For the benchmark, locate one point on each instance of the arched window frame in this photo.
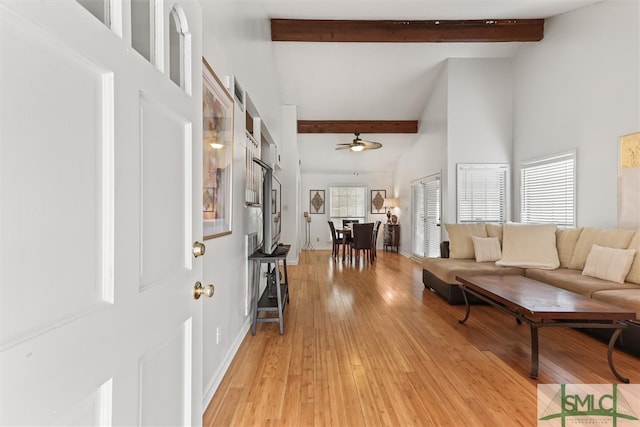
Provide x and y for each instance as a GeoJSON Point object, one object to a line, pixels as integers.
{"type": "Point", "coordinates": [177, 16]}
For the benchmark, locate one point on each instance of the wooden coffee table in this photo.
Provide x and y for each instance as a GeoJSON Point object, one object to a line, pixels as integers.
{"type": "Point", "coordinates": [540, 305]}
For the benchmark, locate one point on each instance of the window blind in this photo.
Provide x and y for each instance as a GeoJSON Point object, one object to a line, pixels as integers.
{"type": "Point", "coordinates": [347, 202]}
{"type": "Point", "coordinates": [548, 190]}
{"type": "Point", "coordinates": [482, 192]}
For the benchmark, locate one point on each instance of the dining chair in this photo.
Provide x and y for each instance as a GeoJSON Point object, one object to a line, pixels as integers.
{"type": "Point", "coordinates": [346, 223]}
{"type": "Point", "coordinates": [362, 240]}
{"type": "Point", "coordinates": [334, 240]}
{"type": "Point", "coordinates": [374, 242]}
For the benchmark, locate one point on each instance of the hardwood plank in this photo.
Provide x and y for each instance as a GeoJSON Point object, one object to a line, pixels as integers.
{"type": "Point", "coordinates": [291, 410]}
{"type": "Point", "coordinates": [387, 31]}
{"type": "Point", "coordinates": [368, 345]}
{"type": "Point", "coordinates": [361, 126]}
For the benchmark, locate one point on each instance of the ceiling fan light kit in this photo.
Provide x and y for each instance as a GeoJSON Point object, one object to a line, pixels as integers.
{"type": "Point", "coordinates": [359, 144]}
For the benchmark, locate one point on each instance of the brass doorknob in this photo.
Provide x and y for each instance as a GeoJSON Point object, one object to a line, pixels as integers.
{"type": "Point", "coordinates": [198, 249]}
{"type": "Point", "coordinates": [199, 290]}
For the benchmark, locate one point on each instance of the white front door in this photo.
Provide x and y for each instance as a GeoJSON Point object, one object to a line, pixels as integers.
{"type": "Point", "coordinates": [100, 186]}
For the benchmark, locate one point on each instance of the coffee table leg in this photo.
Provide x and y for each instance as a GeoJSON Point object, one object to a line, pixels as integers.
{"type": "Point", "coordinates": [612, 343]}
{"type": "Point", "coordinates": [534, 352]}
{"type": "Point", "coordinates": [466, 303]}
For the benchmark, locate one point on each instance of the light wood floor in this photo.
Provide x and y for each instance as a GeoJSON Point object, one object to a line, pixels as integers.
{"type": "Point", "coordinates": [368, 345]}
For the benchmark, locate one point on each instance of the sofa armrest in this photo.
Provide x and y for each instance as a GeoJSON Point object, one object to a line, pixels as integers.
{"type": "Point", "coordinates": [444, 249]}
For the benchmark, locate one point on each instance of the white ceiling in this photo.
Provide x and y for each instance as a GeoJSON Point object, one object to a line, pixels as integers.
{"type": "Point", "coordinates": [379, 81]}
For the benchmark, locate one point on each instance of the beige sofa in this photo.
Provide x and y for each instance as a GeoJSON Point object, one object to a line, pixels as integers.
{"type": "Point", "coordinates": [564, 255]}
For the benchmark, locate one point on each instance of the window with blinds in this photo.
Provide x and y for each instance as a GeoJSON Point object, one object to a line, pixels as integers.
{"type": "Point", "coordinates": [347, 202]}
{"type": "Point", "coordinates": [425, 195]}
{"type": "Point", "coordinates": [548, 190]}
{"type": "Point", "coordinates": [482, 194]}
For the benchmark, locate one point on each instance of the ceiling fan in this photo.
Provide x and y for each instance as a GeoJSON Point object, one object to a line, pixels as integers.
{"type": "Point", "coordinates": [359, 144]}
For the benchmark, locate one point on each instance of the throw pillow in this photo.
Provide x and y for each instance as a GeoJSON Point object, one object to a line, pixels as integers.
{"type": "Point", "coordinates": [460, 243]}
{"type": "Point", "coordinates": [529, 246]}
{"type": "Point", "coordinates": [608, 263]}
{"type": "Point", "coordinates": [486, 248]}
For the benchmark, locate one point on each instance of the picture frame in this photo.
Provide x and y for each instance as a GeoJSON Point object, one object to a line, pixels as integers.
{"type": "Point", "coordinates": [629, 181]}
{"type": "Point", "coordinates": [377, 201]}
{"type": "Point", "coordinates": [316, 201]}
{"type": "Point", "coordinates": [217, 159]}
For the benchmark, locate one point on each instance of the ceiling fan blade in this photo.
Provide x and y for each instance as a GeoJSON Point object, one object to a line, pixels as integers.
{"type": "Point", "coordinates": [345, 147]}
{"type": "Point", "coordinates": [370, 145]}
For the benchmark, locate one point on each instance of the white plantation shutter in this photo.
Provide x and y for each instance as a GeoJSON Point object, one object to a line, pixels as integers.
{"type": "Point", "coordinates": [425, 195]}
{"type": "Point", "coordinates": [419, 218]}
{"type": "Point", "coordinates": [548, 190]}
{"type": "Point", "coordinates": [482, 192]}
{"type": "Point", "coordinates": [432, 242]}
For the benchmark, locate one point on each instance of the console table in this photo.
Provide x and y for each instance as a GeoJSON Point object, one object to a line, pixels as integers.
{"type": "Point", "coordinates": [276, 294]}
{"type": "Point", "coordinates": [391, 236]}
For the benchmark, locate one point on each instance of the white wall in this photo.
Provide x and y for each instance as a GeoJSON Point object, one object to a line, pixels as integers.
{"type": "Point", "coordinates": [480, 117]}
{"type": "Point", "coordinates": [579, 88]}
{"type": "Point", "coordinates": [468, 119]}
{"type": "Point", "coordinates": [319, 229]}
{"type": "Point", "coordinates": [428, 154]}
{"type": "Point", "coordinates": [291, 182]}
{"type": "Point", "coordinates": [237, 42]}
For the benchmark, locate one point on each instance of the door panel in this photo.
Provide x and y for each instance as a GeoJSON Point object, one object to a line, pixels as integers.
{"type": "Point", "coordinates": [166, 175]}
{"type": "Point", "coordinates": [164, 390]}
{"type": "Point", "coordinates": [42, 123]}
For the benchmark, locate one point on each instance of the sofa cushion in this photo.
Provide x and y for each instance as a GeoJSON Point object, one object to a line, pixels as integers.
{"type": "Point", "coordinates": [446, 269]}
{"type": "Point", "coordinates": [624, 298]}
{"type": "Point", "coordinates": [494, 230]}
{"type": "Point", "coordinates": [634, 271]}
{"type": "Point", "coordinates": [486, 248]}
{"type": "Point", "coordinates": [460, 243]}
{"type": "Point", "coordinates": [529, 246]}
{"type": "Point", "coordinates": [574, 281]}
{"type": "Point", "coordinates": [566, 240]}
{"type": "Point", "coordinates": [611, 238]}
{"type": "Point", "coordinates": [608, 263]}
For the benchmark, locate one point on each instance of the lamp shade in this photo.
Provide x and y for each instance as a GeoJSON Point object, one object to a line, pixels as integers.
{"type": "Point", "coordinates": [390, 203]}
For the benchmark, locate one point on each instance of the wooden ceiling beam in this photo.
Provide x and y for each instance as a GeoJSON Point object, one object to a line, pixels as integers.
{"type": "Point", "coordinates": [353, 126]}
{"type": "Point", "coordinates": [437, 31]}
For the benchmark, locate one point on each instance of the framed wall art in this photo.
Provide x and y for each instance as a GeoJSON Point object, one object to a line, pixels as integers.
{"type": "Point", "coordinates": [217, 146]}
{"type": "Point", "coordinates": [316, 201]}
{"type": "Point", "coordinates": [629, 182]}
{"type": "Point", "coordinates": [377, 201]}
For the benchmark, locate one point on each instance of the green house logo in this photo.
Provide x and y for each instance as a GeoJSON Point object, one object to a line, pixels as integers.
{"type": "Point", "coordinates": [586, 406]}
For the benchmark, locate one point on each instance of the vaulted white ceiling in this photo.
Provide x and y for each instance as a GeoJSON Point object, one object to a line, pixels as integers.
{"type": "Point", "coordinates": [379, 81]}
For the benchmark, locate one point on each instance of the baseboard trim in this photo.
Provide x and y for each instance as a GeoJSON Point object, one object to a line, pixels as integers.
{"type": "Point", "coordinates": [213, 385]}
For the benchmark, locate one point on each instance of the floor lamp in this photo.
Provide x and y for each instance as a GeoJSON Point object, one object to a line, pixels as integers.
{"type": "Point", "coordinates": [307, 244]}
